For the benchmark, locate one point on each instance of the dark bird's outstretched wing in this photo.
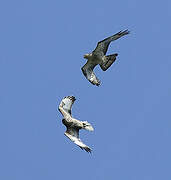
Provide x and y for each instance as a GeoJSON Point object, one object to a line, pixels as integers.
{"type": "Point", "coordinates": [73, 134]}
{"type": "Point", "coordinates": [87, 70]}
{"type": "Point", "coordinates": [68, 102]}
{"type": "Point", "coordinates": [103, 45]}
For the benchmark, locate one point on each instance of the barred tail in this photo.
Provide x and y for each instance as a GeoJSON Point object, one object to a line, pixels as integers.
{"type": "Point", "coordinates": [110, 59]}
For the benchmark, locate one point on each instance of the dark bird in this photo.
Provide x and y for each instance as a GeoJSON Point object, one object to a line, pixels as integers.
{"type": "Point", "coordinates": [98, 56]}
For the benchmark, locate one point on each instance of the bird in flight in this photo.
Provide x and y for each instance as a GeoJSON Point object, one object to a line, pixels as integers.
{"type": "Point", "coordinates": [98, 56]}
{"type": "Point", "coordinates": [73, 125]}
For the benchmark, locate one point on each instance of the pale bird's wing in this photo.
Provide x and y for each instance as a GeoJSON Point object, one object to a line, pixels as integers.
{"type": "Point", "coordinates": [67, 103]}
{"type": "Point", "coordinates": [87, 70]}
{"type": "Point", "coordinates": [73, 134]}
{"type": "Point", "coordinates": [103, 45]}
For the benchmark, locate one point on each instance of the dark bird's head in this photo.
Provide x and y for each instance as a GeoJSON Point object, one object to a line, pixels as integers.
{"type": "Point", "coordinates": [87, 56]}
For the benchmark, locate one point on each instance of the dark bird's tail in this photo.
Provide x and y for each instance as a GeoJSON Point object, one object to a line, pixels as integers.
{"type": "Point", "coordinates": [109, 60]}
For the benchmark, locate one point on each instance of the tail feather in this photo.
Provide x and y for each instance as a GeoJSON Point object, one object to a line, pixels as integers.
{"type": "Point", "coordinates": [111, 57]}
{"type": "Point", "coordinates": [87, 126]}
{"type": "Point", "coordinates": [109, 60]}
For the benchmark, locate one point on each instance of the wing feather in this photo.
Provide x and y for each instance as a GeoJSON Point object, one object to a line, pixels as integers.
{"type": "Point", "coordinates": [73, 132]}
{"type": "Point", "coordinates": [73, 135]}
{"type": "Point", "coordinates": [68, 102]}
{"type": "Point", "coordinates": [87, 70]}
{"type": "Point", "coordinates": [73, 125]}
{"type": "Point", "coordinates": [102, 46]}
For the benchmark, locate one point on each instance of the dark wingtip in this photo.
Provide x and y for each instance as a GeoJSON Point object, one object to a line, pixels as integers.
{"type": "Point", "coordinates": [72, 98]}
{"type": "Point", "coordinates": [87, 149]}
{"type": "Point", "coordinates": [95, 83]}
{"type": "Point", "coordinates": [126, 31]}
{"type": "Point", "coordinates": [98, 84]}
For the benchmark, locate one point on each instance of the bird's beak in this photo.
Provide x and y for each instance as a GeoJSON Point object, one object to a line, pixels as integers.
{"type": "Point", "coordinates": [86, 56]}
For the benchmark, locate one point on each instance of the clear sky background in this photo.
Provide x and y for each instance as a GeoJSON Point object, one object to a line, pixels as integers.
{"type": "Point", "coordinates": [42, 44]}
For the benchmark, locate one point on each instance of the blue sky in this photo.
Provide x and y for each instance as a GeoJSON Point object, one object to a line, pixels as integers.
{"type": "Point", "coordinates": [42, 44]}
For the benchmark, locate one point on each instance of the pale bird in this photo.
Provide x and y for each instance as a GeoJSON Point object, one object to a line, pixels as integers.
{"type": "Point", "coordinates": [73, 125]}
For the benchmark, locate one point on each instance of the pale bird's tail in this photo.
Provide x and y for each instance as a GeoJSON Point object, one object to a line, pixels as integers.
{"type": "Point", "coordinates": [87, 126]}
